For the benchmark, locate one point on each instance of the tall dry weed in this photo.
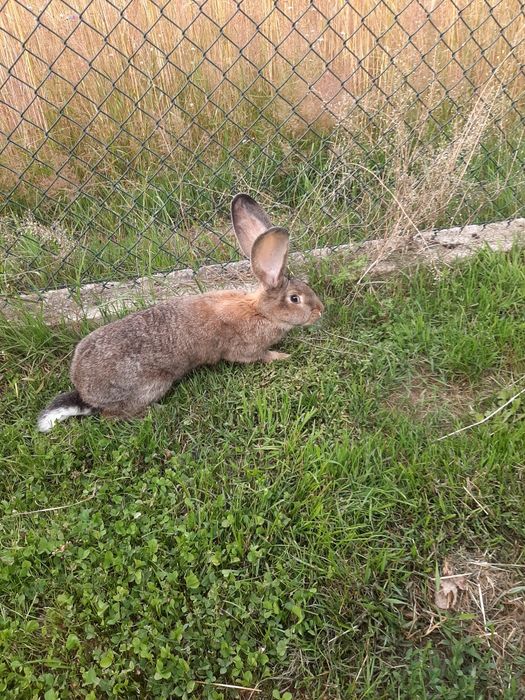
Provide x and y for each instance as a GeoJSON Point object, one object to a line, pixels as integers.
{"type": "Point", "coordinates": [424, 174]}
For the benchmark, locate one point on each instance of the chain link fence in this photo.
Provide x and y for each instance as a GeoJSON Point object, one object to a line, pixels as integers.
{"type": "Point", "coordinates": [128, 126]}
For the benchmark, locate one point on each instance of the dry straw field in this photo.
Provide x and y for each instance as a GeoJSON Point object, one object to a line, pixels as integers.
{"type": "Point", "coordinates": [154, 79]}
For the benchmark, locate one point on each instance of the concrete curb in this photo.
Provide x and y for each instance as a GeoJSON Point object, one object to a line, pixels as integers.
{"type": "Point", "coordinates": [99, 300]}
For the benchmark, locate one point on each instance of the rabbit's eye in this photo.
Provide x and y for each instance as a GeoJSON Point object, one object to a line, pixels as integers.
{"type": "Point", "coordinates": [294, 298]}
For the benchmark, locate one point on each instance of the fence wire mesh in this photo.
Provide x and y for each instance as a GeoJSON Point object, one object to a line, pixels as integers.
{"type": "Point", "coordinates": [128, 126]}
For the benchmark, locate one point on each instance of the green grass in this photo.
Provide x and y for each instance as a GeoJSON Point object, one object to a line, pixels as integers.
{"type": "Point", "coordinates": [328, 189]}
{"type": "Point", "coordinates": [276, 526]}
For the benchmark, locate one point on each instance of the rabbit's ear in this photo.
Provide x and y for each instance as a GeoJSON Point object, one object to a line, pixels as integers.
{"type": "Point", "coordinates": [249, 221]}
{"type": "Point", "coordinates": [269, 256]}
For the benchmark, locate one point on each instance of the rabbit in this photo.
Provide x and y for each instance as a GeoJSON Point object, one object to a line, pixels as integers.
{"type": "Point", "coordinates": [121, 368]}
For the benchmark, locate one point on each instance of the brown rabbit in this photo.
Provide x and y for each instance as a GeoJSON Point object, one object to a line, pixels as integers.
{"type": "Point", "coordinates": [121, 368]}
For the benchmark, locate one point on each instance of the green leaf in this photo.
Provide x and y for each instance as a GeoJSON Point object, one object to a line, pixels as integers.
{"type": "Point", "coordinates": [72, 642]}
{"type": "Point", "coordinates": [106, 659]}
{"type": "Point", "coordinates": [192, 581]}
{"type": "Point", "coordinates": [160, 673]}
{"type": "Point", "coordinates": [153, 545]}
{"type": "Point", "coordinates": [296, 610]}
{"type": "Point", "coordinates": [282, 644]}
{"type": "Point", "coordinates": [90, 677]}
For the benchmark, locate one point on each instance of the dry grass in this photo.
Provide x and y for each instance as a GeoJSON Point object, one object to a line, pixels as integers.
{"type": "Point", "coordinates": [492, 594]}
{"type": "Point", "coordinates": [78, 77]}
{"type": "Point", "coordinates": [428, 176]}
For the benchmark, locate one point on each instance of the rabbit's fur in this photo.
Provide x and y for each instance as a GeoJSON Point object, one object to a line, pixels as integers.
{"type": "Point", "coordinates": [122, 367]}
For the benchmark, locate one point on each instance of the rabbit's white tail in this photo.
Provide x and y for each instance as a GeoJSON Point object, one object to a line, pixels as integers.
{"type": "Point", "coordinates": [63, 406]}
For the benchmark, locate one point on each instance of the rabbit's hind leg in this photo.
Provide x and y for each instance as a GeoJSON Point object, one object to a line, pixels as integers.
{"type": "Point", "coordinates": [136, 404]}
{"type": "Point", "coordinates": [123, 411]}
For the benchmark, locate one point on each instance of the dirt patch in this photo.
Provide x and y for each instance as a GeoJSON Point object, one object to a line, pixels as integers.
{"type": "Point", "coordinates": [426, 393]}
{"type": "Point", "coordinates": [491, 593]}
{"type": "Point", "coordinates": [486, 596]}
